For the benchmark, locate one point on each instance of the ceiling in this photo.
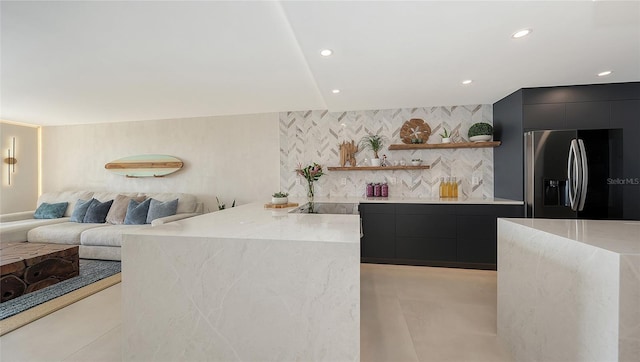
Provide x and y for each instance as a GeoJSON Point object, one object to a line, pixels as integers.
{"type": "Point", "coordinates": [92, 62]}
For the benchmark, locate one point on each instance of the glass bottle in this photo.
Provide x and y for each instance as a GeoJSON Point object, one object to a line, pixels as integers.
{"type": "Point", "coordinates": [454, 187]}
{"type": "Point", "coordinates": [441, 187]}
{"type": "Point", "coordinates": [376, 190]}
{"type": "Point", "coordinates": [384, 190]}
{"type": "Point", "coordinates": [446, 188]}
{"type": "Point", "coordinates": [369, 190]}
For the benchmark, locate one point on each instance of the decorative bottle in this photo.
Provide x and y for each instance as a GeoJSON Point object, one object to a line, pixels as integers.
{"type": "Point", "coordinates": [384, 190]}
{"type": "Point", "coordinates": [454, 187]}
{"type": "Point", "coordinates": [446, 188]}
{"type": "Point", "coordinates": [369, 190]}
{"type": "Point", "coordinates": [376, 190]}
{"type": "Point", "coordinates": [441, 187]}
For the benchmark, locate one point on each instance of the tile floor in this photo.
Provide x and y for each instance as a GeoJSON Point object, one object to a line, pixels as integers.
{"type": "Point", "coordinates": [407, 314]}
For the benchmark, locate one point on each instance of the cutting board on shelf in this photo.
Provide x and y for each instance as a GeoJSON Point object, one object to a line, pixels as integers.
{"type": "Point", "coordinates": [145, 166]}
{"type": "Point", "coordinates": [280, 206]}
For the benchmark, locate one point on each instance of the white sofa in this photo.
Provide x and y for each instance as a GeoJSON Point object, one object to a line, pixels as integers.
{"type": "Point", "coordinates": [96, 241]}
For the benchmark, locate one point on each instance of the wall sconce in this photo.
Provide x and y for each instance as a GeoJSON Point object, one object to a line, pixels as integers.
{"type": "Point", "coordinates": [11, 160]}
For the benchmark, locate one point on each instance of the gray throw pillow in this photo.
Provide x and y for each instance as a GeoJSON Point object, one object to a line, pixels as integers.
{"type": "Point", "coordinates": [137, 212]}
{"type": "Point", "coordinates": [158, 209]}
{"type": "Point", "coordinates": [119, 208]}
{"type": "Point", "coordinates": [97, 212]}
{"type": "Point", "coordinates": [80, 210]}
{"type": "Point", "coordinates": [50, 211]}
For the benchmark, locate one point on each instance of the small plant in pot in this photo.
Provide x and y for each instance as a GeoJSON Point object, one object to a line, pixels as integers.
{"type": "Point", "coordinates": [375, 143]}
{"type": "Point", "coordinates": [280, 198]}
{"type": "Point", "coordinates": [480, 132]}
{"type": "Point", "coordinates": [446, 136]}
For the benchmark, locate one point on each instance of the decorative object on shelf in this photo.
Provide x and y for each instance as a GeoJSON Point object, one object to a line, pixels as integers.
{"type": "Point", "coordinates": [348, 152]}
{"type": "Point", "coordinates": [280, 206]}
{"type": "Point", "coordinates": [375, 143]}
{"type": "Point", "coordinates": [415, 131]}
{"type": "Point", "coordinates": [145, 166]}
{"type": "Point", "coordinates": [280, 198]}
{"type": "Point", "coordinates": [446, 136]}
{"type": "Point", "coordinates": [222, 206]}
{"type": "Point", "coordinates": [480, 132]}
{"type": "Point", "coordinates": [425, 146]}
{"type": "Point", "coordinates": [416, 162]}
{"type": "Point", "coordinates": [11, 159]}
{"type": "Point", "coordinates": [311, 173]}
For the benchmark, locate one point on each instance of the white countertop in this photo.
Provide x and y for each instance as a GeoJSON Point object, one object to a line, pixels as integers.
{"type": "Point", "coordinates": [254, 221]}
{"type": "Point", "coordinates": [416, 200]}
{"type": "Point", "coordinates": [618, 236]}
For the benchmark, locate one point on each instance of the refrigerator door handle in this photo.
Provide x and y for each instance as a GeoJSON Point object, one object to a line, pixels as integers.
{"type": "Point", "coordinates": [573, 175]}
{"type": "Point", "coordinates": [584, 168]}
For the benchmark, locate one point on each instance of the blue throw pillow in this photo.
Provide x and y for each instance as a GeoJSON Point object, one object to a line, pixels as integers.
{"type": "Point", "coordinates": [50, 211]}
{"type": "Point", "coordinates": [97, 212]}
{"type": "Point", "coordinates": [137, 212]}
{"type": "Point", "coordinates": [80, 210]}
{"type": "Point", "coordinates": [158, 209]}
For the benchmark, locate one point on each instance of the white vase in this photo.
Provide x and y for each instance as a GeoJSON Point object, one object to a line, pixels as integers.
{"type": "Point", "coordinates": [375, 162]}
{"type": "Point", "coordinates": [446, 140]}
{"type": "Point", "coordinates": [279, 200]}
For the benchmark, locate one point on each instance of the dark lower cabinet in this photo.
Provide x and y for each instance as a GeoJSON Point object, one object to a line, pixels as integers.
{"type": "Point", "coordinates": [437, 235]}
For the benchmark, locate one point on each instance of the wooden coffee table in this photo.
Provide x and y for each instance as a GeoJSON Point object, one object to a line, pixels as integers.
{"type": "Point", "coordinates": [27, 267]}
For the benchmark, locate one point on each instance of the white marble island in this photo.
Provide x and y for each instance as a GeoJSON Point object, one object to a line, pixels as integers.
{"type": "Point", "coordinates": [569, 290]}
{"type": "Point", "coordinates": [245, 284]}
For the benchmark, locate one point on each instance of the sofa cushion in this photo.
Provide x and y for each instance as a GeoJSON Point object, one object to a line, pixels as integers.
{"type": "Point", "coordinates": [69, 196]}
{"type": "Point", "coordinates": [137, 212]}
{"type": "Point", "coordinates": [50, 211]}
{"type": "Point", "coordinates": [109, 236]}
{"type": "Point", "coordinates": [158, 209]}
{"type": "Point", "coordinates": [186, 202]}
{"type": "Point", "coordinates": [97, 211]}
{"type": "Point", "coordinates": [62, 233]}
{"type": "Point", "coordinates": [103, 196]}
{"type": "Point", "coordinates": [119, 208]}
{"type": "Point", "coordinates": [80, 210]}
{"type": "Point", "coordinates": [14, 231]}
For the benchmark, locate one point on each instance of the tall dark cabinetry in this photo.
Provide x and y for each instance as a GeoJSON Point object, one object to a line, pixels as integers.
{"type": "Point", "coordinates": [585, 107]}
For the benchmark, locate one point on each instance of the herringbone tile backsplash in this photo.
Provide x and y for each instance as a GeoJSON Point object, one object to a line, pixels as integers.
{"type": "Point", "coordinates": [314, 136]}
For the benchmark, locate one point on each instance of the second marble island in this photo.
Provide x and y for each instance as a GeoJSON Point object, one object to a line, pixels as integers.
{"type": "Point", "coordinates": [244, 284]}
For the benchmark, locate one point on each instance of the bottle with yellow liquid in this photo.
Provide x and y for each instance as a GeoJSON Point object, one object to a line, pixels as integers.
{"type": "Point", "coordinates": [454, 188]}
{"type": "Point", "coordinates": [441, 187]}
{"type": "Point", "coordinates": [445, 188]}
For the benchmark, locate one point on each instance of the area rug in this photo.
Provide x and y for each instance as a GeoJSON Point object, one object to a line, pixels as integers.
{"type": "Point", "coordinates": [95, 275]}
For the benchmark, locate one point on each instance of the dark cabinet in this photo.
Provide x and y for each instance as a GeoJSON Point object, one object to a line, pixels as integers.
{"type": "Point", "coordinates": [543, 116]}
{"type": "Point", "coordinates": [436, 235]}
{"type": "Point", "coordinates": [626, 115]}
{"type": "Point", "coordinates": [378, 229]}
{"type": "Point", "coordinates": [588, 115]}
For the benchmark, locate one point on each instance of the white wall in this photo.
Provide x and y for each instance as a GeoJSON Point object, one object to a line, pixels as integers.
{"type": "Point", "coordinates": [22, 194]}
{"type": "Point", "coordinates": [231, 157]}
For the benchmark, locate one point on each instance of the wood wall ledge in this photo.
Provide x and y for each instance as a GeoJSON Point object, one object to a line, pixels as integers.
{"type": "Point", "coordinates": [378, 168]}
{"type": "Point", "coordinates": [424, 146]}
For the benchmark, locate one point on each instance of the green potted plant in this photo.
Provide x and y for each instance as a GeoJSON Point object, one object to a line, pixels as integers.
{"type": "Point", "coordinates": [280, 198]}
{"type": "Point", "coordinates": [446, 136]}
{"type": "Point", "coordinates": [375, 143]}
{"type": "Point", "coordinates": [480, 132]}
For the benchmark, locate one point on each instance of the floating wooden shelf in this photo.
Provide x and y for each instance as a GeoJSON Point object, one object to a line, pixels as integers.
{"type": "Point", "coordinates": [424, 146]}
{"type": "Point", "coordinates": [378, 168]}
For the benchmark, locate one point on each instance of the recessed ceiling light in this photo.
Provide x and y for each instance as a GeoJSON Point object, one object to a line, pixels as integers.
{"type": "Point", "coordinates": [468, 81]}
{"type": "Point", "coordinates": [605, 73]}
{"type": "Point", "coordinates": [326, 52]}
{"type": "Point", "coordinates": [521, 33]}
{"type": "Point", "coordinates": [335, 91]}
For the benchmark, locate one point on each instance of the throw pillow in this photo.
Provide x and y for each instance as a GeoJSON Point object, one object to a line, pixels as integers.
{"type": "Point", "coordinates": [97, 212]}
{"type": "Point", "coordinates": [158, 209]}
{"type": "Point", "coordinates": [80, 210]}
{"type": "Point", "coordinates": [50, 211]}
{"type": "Point", "coordinates": [119, 208]}
{"type": "Point", "coordinates": [137, 212]}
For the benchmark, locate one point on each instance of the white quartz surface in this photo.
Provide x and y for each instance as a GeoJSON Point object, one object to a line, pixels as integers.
{"type": "Point", "coordinates": [254, 221]}
{"type": "Point", "coordinates": [622, 237]}
{"type": "Point", "coordinates": [421, 200]}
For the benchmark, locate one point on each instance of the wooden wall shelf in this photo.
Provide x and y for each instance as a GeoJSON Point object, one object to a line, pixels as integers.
{"type": "Point", "coordinates": [425, 146]}
{"type": "Point", "coordinates": [378, 168]}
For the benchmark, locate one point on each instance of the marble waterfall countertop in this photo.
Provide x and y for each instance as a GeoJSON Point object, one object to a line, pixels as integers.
{"type": "Point", "coordinates": [569, 290]}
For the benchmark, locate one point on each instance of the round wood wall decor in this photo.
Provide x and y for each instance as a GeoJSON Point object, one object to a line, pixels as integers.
{"type": "Point", "coordinates": [415, 128]}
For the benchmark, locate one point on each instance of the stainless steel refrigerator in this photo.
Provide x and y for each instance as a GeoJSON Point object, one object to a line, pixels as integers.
{"type": "Point", "coordinates": [571, 174]}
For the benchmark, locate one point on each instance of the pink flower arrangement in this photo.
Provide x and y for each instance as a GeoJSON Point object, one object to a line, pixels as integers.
{"type": "Point", "coordinates": [310, 173]}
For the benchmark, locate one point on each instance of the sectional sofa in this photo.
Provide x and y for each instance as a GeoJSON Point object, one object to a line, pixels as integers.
{"type": "Point", "coordinates": [96, 240]}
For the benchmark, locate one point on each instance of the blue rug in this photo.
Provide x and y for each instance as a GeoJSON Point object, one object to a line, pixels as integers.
{"type": "Point", "coordinates": [90, 272]}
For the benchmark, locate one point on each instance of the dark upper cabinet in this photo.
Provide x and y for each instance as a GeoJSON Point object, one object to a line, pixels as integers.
{"type": "Point", "coordinates": [588, 115]}
{"type": "Point", "coordinates": [543, 116]}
